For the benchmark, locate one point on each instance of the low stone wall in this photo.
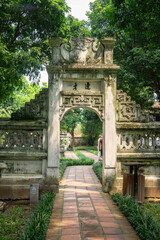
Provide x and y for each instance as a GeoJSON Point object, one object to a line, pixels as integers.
{"type": "Point", "coordinates": [23, 148]}
{"type": "Point", "coordinates": [139, 143]}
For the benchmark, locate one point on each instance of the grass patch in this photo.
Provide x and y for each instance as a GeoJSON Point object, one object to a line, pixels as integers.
{"type": "Point", "coordinates": [37, 224]}
{"type": "Point", "coordinates": [86, 148]}
{"type": "Point", "coordinates": [11, 222]}
{"type": "Point", "coordinates": [93, 151]}
{"type": "Point", "coordinates": [144, 224]}
{"type": "Point", "coordinates": [97, 168]}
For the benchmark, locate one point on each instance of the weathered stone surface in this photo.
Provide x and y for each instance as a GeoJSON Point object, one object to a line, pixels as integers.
{"type": "Point", "coordinates": [35, 109]}
{"type": "Point", "coordinates": [2, 206]}
{"type": "Point", "coordinates": [34, 193]}
{"type": "Point", "coordinates": [129, 111]}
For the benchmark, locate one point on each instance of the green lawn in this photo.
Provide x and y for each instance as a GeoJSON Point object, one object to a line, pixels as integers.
{"type": "Point", "coordinates": [12, 222]}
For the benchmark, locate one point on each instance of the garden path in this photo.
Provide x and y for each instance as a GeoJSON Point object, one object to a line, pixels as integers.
{"type": "Point", "coordinates": [83, 212]}
{"type": "Point", "coordinates": [70, 154]}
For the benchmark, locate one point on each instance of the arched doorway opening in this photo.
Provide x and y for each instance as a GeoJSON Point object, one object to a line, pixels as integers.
{"type": "Point", "coordinates": [80, 127]}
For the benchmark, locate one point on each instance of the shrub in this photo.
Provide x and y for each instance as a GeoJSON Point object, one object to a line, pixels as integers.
{"type": "Point", "coordinates": [37, 224]}
{"type": "Point", "coordinates": [153, 209]}
{"type": "Point", "coordinates": [97, 168]}
{"type": "Point", "coordinates": [145, 226]}
{"type": "Point", "coordinates": [85, 148]}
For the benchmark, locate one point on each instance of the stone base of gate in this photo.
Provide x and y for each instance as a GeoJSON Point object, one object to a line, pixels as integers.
{"type": "Point", "coordinates": [113, 181]}
{"type": "Point", "coordinates": [21, 189]}
{"type": "Point", "coordinates": [109, 177]}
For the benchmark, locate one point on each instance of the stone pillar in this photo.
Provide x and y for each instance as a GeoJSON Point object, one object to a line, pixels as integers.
{"type": "Point", "coordinates": [109, 134]}
{"type": "Point", "coordinates": [53, 131]}
{"type": "Point", "coordinates": [52, 178]}
{"type": "Point", "coordinates": [108, 51]}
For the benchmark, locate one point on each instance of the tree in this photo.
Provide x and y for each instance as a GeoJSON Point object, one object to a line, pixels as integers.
{"type": "Point", "coordinates": [19, 98]}
{"type": "Point", "coordinates": [26, 26]}
{"type": "Point", "coordinates": [135, 24]}
{"type": "Point", "coordinates": [91, 126]}
{"type": "Point", "coordinates": [70, 121]}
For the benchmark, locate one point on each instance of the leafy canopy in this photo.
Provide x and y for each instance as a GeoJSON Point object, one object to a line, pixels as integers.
{"type": "Point", "coordinates": [26, 26]}
{"type": "Point", "coordinates": [135, 24]}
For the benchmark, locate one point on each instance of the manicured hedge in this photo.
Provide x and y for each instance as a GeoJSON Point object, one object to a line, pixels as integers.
{"type": "Point", "coordinates": [37, 225]}
{"type": "Point", "coordinates": [85, 148]}
{"type": "Point", "coordinates": [145, 226]}
{"type": "Point", "coordinates": [97, 168]}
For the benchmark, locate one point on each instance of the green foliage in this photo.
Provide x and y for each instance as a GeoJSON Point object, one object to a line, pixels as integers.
{"type": "Point", "coordinates": [38, 223]}
{"type": "Point", "coordinates": [76, 28]}
{"type": "Point", "coordinates": [26, 26]}
{"type": "Point", "coordinates": [19, 98]}
{"type": "Point", "coordinates": [87, 148]}
{"type": "Point", "coordinates": [97, 168]}
{"type": "Point", "coordinates": [145, 226]}
{"type": "Point", "coordinates": [62, 167]}
{"type": "Point", "coordinates": [11, 223]}
{"type": "Point", "coordinates": [69, 122]}
{"type": "Point", "coordinates": [91, 126]}
{"type": "Point", "coordinates": [135, 25]}
{"type": "Point", "coordinates": [153, 209]}
{"type": "Point", "coordinates": [91, 149]}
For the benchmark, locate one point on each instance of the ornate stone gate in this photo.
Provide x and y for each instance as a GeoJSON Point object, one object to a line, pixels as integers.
{"type": "Point", "coordinates": [81, 75]}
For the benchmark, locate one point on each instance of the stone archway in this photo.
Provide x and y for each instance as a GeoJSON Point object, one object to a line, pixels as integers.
{"type": "Point", "coordinates": [83, 75]}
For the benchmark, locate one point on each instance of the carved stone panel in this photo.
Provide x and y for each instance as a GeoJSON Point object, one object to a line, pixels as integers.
{"type": "Point", "coordinates": [35, 109]}
{"type": "Point", "coordinates": [95, 102]}
{"type": "Point", "coordinates": [81, 50]}
{"type": "Point", "coordinates": [129, 111]}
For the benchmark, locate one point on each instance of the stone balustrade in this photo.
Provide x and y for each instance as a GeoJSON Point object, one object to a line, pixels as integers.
{"type": "Point", "coordinates": [22, 136]}
{"type": "Point", "coordinates": [21, 139]}
{"type": "Point", "coordinates": [138, 138]}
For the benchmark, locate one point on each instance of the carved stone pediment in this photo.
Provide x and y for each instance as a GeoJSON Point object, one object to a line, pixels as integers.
{"type": "Point", "coordinates": [82, 51]}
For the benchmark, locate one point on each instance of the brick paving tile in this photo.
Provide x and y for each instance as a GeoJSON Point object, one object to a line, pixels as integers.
{"type": "Point", "coordinates": [95, 233]}
{"type": "Point", "coordinates": [94, 238]}
{"type": "Point", "coordinates": [109, 224]}
{"type": "Point", "coordinates": [83, 212]}
{"type": "Point", "coordinates": [115, 237]}
{"type": "Point", "coordinates": [70, 231]}
{"type": "Point", "coordinates": [54, 237]}
{"type": "Point", "coordinates": [71, 237]}
{"type": "Point", "coordinates": [107, 219]}
{"type": "Point", "coordinates": [112, 230]}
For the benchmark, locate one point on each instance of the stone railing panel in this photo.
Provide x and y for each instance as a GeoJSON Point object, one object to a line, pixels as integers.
{"type": "Point", "coordinates": [21, 139]}
{"type": "Point", "coordinates": [138, 137]}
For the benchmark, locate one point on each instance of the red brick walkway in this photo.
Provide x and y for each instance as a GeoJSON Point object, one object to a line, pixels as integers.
{"type": "Point", "coordinates": [82, 211]}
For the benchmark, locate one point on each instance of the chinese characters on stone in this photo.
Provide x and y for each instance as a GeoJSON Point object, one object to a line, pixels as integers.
{"type": "Point", "coordinates": [87, 86]}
